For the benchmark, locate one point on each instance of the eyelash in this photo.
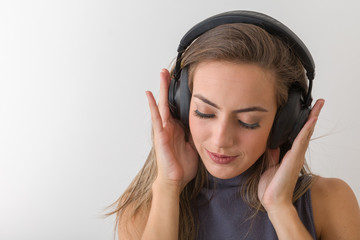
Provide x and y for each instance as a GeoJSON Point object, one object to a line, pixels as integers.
{"type": "Point", "coordinates": [245, 125]}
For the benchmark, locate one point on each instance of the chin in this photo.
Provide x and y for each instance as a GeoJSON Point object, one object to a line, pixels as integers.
{"type": "Point", "coordinates": [227, 168]}
{"type": "Point", "coordinates": [224, 172]}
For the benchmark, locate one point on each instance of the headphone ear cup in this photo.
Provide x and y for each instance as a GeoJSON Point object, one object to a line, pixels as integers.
{"type": "Point", "coordinates": [303, 117]}
{"type": "Point", "coordinates": [289, 120]}
{"type": "Point", "coordinates": [179, 97]}
{"type": "Point", "coordinates": [171, 98]}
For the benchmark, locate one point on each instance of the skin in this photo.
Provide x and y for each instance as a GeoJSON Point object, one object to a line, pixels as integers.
{"type": "Point", "coordinates": [231, 87]}
{"type": "Point", "coordinates": [335, 208]}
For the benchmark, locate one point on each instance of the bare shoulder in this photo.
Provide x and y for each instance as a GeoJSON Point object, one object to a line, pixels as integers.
{"type": "Point", "coordinates": [131, 225]}
{"type": "Point", "coordinates": [332, 189]}
{"type": "Point", "coordinates": [336, 209]}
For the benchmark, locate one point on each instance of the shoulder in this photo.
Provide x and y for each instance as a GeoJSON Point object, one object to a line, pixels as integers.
{"type": "Point", "coordinates": [331, 189]}
{"type": "Point", "coordinates": [335, 209]}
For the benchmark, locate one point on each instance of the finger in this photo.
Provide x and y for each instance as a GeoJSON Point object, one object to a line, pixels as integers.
{"type": "Point", "coordinates": [302, 140]}
{"type": "Point", "coordinates": [164, 92]}
{"type": "Point", "coordinates": [315, 111]}
{"type": "Point", "coordinates": [155, 114]}
{"type": "Point", "coordinates": [314, 115]}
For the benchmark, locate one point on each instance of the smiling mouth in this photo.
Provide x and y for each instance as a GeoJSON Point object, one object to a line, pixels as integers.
{"type": "Point", "coordinates": [221, 159]}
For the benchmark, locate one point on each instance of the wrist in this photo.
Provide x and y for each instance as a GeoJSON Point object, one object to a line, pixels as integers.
{"type": "Point", "coordinates": [287, 223]}
{"type": "Point", "coordinates": [166, 187]}
{"type": "Point", "coordinates": [281, 211]}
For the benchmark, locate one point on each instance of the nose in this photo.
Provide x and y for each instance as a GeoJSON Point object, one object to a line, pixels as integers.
{"type": "Point", "coordinates": [223, 134]}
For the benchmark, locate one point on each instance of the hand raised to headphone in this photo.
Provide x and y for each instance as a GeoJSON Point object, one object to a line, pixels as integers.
{"type": "Point", "coordinates": [177, 160]}
{"type": "Point", "coordinates": [277, 184]}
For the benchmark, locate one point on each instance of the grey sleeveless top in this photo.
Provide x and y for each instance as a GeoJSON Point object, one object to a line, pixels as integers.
{"type": "Point", "coordinates": [222, 214]}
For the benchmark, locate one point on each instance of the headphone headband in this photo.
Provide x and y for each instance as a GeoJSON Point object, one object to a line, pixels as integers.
{"type": "Point", "coordinates": [267, 23]}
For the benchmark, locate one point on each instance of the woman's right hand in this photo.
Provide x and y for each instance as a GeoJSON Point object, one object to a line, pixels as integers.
{"type": "Point", "coordinates": [177, 160]}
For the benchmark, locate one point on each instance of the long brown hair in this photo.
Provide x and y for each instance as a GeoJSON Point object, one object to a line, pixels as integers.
{"type": "Point", "coordinates": [239, 43]}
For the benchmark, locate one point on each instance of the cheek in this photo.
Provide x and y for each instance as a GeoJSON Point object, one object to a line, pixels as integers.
{"type": "Point", "coordinates": [199, 130]}
{"type": "Point", "coordinates": [259, 141]}
{"type": "Point", "coordinates": [254, 142]}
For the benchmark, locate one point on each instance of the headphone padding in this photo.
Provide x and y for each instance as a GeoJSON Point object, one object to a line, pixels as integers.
{"type": "Point", "coordinates": [185, 97]}
{"type": "Point", "coordinates": [179, 98]}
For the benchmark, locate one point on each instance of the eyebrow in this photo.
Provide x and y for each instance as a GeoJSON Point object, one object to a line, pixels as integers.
{"type": "Point", "coordinates": [249, 109]}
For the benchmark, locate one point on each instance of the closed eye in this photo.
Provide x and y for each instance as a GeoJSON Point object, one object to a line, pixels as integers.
{"type": "Point", "coordinates": [249, 126]}
{"type": "Point", "coordinates": [203, 115]}
{"type": "Point", "coordinates": [243, 124]}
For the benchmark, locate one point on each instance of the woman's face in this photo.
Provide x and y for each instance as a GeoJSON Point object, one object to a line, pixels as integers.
{"type": "Point", "coordinates": [232, 110]}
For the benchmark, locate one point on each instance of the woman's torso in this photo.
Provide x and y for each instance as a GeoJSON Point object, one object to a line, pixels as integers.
{"type": "Point", "coordinates": [222, 213]}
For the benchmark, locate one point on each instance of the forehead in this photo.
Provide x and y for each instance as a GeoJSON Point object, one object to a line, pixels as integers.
{"type": "Point", "coordinates": [234, 84]}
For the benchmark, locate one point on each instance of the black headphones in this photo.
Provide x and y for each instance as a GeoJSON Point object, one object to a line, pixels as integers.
{"type": "Point", "coordinates": [291, 117]}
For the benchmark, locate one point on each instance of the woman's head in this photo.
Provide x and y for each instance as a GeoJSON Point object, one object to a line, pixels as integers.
{"type": "Point", "coordinates": [237, 66]}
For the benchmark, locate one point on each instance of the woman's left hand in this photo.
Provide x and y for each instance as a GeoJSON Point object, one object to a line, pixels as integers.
{"type": "Point", "coordinates": [277, 184]}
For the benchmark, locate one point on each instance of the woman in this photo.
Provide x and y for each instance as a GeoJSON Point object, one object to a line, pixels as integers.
{"type": "Point", "coordinates": [217, 174]}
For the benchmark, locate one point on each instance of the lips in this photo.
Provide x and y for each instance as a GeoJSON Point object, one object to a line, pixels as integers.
{"type": "Point", "coordinates": [221, 159]}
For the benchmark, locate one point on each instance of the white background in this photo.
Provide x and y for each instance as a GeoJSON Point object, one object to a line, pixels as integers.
{"type": "Point", "coordinates": [74, 123]}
